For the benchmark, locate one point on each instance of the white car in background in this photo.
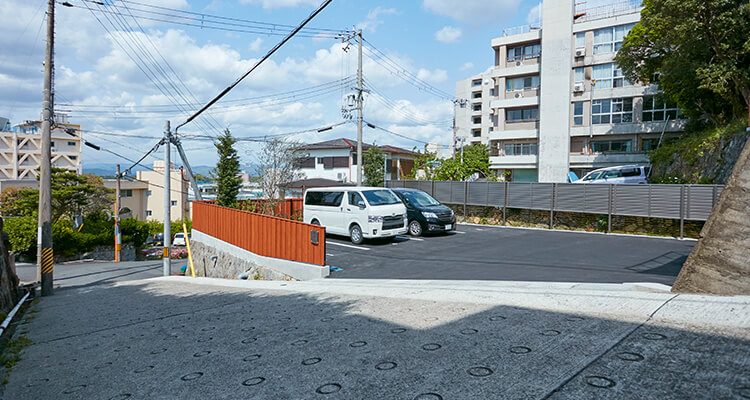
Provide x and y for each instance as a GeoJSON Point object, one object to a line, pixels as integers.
{"type": "Point", "coordinates": [616, 175]}
{"type": "Point", "coordinates": [179, 239]}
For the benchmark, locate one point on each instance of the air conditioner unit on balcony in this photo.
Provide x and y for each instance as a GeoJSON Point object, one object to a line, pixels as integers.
{"type": "Point", "coordinates": [581, 52]}
{"type": "Point", "coordinates": [518, 95]}
{"type": "Point", "coordinates": [578, 87]}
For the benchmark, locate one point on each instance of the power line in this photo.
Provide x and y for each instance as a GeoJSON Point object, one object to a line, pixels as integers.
{"type": "Point", "coordinates": [257, 64]}
{"type": "Point", "coordinates": [373, 126]}
{"type": "Point", "coordinates": [393, 105]}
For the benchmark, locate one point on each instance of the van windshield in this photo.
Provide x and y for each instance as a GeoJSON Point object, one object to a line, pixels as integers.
{"type": "Point", "coordinates": [592, 176]}
{"type": "Point", "coordinates": [420, 199]}
{"type": "Point", "coordinates": [380, 197]}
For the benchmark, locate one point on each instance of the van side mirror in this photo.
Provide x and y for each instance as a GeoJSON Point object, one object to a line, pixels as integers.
{"type": "Point", "coordinates": [361, 205]}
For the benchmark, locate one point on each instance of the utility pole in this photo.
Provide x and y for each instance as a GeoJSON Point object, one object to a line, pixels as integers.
{"type": "Point", "coordinates": [118, 235]}
{"type": "Point", "coordinates": [359, 109]}
{"type": "Point", "coordinates": [167, 267]}
{"type": "Point", "coordinates": [44, 239]}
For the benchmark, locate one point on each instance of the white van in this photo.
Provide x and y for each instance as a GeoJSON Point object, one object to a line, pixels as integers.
{"type": "Point", "coordinates": [358, 212]}
{"type": "Point", "coordinates": [617, 175]}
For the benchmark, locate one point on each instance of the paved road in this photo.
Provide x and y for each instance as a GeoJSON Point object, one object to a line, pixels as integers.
{"type": "Point", "coordinates": [184, 338]}
{"type": "Point", "coordinates": [495, 253]}
{"type": "Point", "coordinates": [93, 273]}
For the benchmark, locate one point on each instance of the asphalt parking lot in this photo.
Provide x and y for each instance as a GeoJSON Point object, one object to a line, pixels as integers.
{"type": "Point", "coordinates": [501, 253]}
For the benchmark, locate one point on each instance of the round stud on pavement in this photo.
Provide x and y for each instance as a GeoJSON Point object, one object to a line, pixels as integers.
{"type": "Point", "coordinates": [328, 388]}
{"type": "Point", "coordinates": [600, 382]}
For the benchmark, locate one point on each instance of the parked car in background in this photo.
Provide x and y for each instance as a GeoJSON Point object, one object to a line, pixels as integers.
{"type": "Point", "coordinates": [155, 240]}
{"type": "Point", "coordinates": [179, 239]}
{"type": "Point", "coordinates": [425, 214]}
{"type": "Point", "coordinates": [616, 175]}
{"type": "Point", "coordinates": [358, 212]}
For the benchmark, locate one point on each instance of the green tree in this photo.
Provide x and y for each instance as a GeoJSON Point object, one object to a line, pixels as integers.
{"type": "Point", "coordinates": [71, 194]}
{"type": "Point", "coordinates": [226, 171]}
{"type": "Point", "coordinates": [475, 160]}
{"type": "Point", "coordinates": [372, 166]}
{"type": "Point", "coordinates": [698, 51]}
{"type": "Point", "coordinates": [426, 165]}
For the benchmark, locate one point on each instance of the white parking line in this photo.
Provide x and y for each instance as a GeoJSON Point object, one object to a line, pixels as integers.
{"type": "Point", "coordinates": [348, 245]}
{"type": "Point", "coordinates": [417, 239]}
{"type": "Point", "coordinates": [459, 232]}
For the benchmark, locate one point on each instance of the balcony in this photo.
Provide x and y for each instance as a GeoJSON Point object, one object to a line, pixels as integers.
{"type": "Point", "coordinates": [530, 68]}
{"type": "Point", "coordinates": [500, 134]}
{"type": "Point", "coordinates": [599, 160]}
{"type": "Point", "coordinates": [517, 99]}
{"type": "Point", "coordinates": [523, 161]}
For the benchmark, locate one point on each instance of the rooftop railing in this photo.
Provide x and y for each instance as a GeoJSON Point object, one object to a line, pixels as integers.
{"type": "Point", "coordinates": [592, 13]}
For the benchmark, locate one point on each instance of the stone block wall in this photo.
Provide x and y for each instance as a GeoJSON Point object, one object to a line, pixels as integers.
{"type": "Point", "coordinates": [228, 266]}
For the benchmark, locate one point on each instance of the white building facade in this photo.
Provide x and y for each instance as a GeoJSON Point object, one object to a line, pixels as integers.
{"type": "Point", "coordinates": [555, 100]}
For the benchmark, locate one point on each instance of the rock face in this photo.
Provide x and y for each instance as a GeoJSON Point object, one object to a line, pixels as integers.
{"type": "Point", "coordinates": [720, 261]}
{"type": "Point", "coordinates": [8, 279]}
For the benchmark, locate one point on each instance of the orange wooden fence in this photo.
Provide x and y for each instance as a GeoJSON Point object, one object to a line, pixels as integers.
{"type": "Point", "coordinates": [287, 208]}
{"type": "Point", "coordinates": [261, 234]}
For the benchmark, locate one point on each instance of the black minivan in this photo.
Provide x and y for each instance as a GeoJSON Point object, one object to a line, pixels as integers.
{"type": "Point", "coordinates": [425, 213]}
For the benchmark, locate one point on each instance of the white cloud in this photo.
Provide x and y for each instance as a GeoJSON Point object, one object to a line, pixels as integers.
{"type": "Point", "coordinates": [535, 14]}
{"type": "Point", "coordinates": [281, 3]}
{"type": "Point", "coordinates": [474, 12]}
{"type": "Point", "coordinates": [435, 76]}
{"type": "Point", "coordinates": [467, 66]}
{"type": "Point", "coordinates": [255, 45]}
{"type": "Point", "coordinates": [448, 34]}
{"type": "Point", "coordinates": [372, 21]}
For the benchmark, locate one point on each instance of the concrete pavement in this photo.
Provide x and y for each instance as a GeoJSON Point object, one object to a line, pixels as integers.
{"type": "Point", "coordinates": [183, 338]}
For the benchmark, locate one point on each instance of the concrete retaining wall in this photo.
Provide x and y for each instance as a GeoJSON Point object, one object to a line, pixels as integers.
{"type": "Point", "coordinates": [232, 261]}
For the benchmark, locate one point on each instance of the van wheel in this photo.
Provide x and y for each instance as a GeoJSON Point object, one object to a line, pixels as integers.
{"type": "Point", "coordinates": [315, 222]}
{"type": "Point", "coordinates": [355, 233]}
{"type": "Point", "coordinates": [415, 228]}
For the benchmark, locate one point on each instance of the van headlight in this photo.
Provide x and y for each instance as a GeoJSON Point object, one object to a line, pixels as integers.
{"type": "Point", "coordinates": [374, 219]}
{"type": "Point", "coordinates": [429, 215]}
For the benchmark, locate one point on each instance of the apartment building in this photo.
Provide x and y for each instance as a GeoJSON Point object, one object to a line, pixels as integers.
{"type": "Point", "coordinates": [21, 148]}
{"type": "Point", "coordinates": [133, 197]}
{"type": "Point", "coordinates": [555, 101]}
{"type": "Point", "coordinates": [179, 183]}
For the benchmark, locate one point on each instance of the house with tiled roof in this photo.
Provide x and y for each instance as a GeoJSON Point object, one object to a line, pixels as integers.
{"type": "Point", "coordinates": [336, 160]}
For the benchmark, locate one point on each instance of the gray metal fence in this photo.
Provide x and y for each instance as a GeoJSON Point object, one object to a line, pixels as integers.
{"type": "Point", "coordinates": [683, 202]}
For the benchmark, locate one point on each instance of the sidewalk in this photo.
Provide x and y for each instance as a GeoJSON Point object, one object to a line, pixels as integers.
{"type": "Point", "coordinates": [184, 338]}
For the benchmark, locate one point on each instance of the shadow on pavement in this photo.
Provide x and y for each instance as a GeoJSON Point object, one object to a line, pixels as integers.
{"type": "Point", "coordinates": [171, 341]}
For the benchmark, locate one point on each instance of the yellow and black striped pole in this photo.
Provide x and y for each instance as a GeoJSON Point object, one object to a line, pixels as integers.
{"type": "Point", "coordinates": [45, 163]}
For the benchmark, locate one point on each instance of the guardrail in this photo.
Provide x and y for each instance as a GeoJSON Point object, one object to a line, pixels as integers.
{"type": "Point", "coordinates": [262, 234]}
{"type": "Point", "coordinates": [683, 202]}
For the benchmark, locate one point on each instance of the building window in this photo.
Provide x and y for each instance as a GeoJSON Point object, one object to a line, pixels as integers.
{"type": "Point", "coordinates": [581, 40]}
{"type": "Point", "coordinates": [73, 157]}
{"type": "Point", "coordinates": [609, 40]}
{"type": "Point", "coordinates": [578, 75]}
{"type": "Point", "coordinates": [612, 111]}
{"type": "Point", "coordinates": [126, 193]}
{"type": "Point", "coordinates": [524, 52]}
{"type": "Point", "coordinates": [492, 91]}
{"type": "Point", "coordinates": [477, 107]}
{"type": "Point", "coordinates": [578, 113]}
{"type": "Point", "coordinates": [523, 83]}
{"type": "Point", "coordinates": [476, 132]}
{"type": "Point", "coordinates": [52, 143]}
{"type": "Point", "coordinates": [320, 160]}
{"type": "Point", "coordinates": [71, 143]}
{"type": "Point", "coordinates": [622, 146]}
{"type": "Point", "coordinates": [608, 76]}
{"type": "Point", "coordinates": [173, 203]}
{"type": "Point", "coordinates": [522, 114]}
{"type": "Point", "coordinates": [148, 213]}
{"type": "Point", "coordinates": [520, 149]}
{"type": "Point", "coordinates": [476, 95]}
{"type": "Point", "coordinates": [148, 193]}
{"type": "Point", "coordinates": [649, 144]}
{"type": "Point", "coordinates": [476, 120]}
{"type": "Point", "coordinates": [656, 109]}
{"type": "Point", "coordinates": [477, 82]}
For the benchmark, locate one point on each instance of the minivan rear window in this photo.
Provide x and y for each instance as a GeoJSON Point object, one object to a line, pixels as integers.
{"type": "Point", "coordinates": [331, 199]}
{"type": "Point", "coordinates": [380, 197]}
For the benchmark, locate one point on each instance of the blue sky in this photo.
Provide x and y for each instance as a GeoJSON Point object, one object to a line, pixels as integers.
{"type": "Point", "coordinates": [440, 41]}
